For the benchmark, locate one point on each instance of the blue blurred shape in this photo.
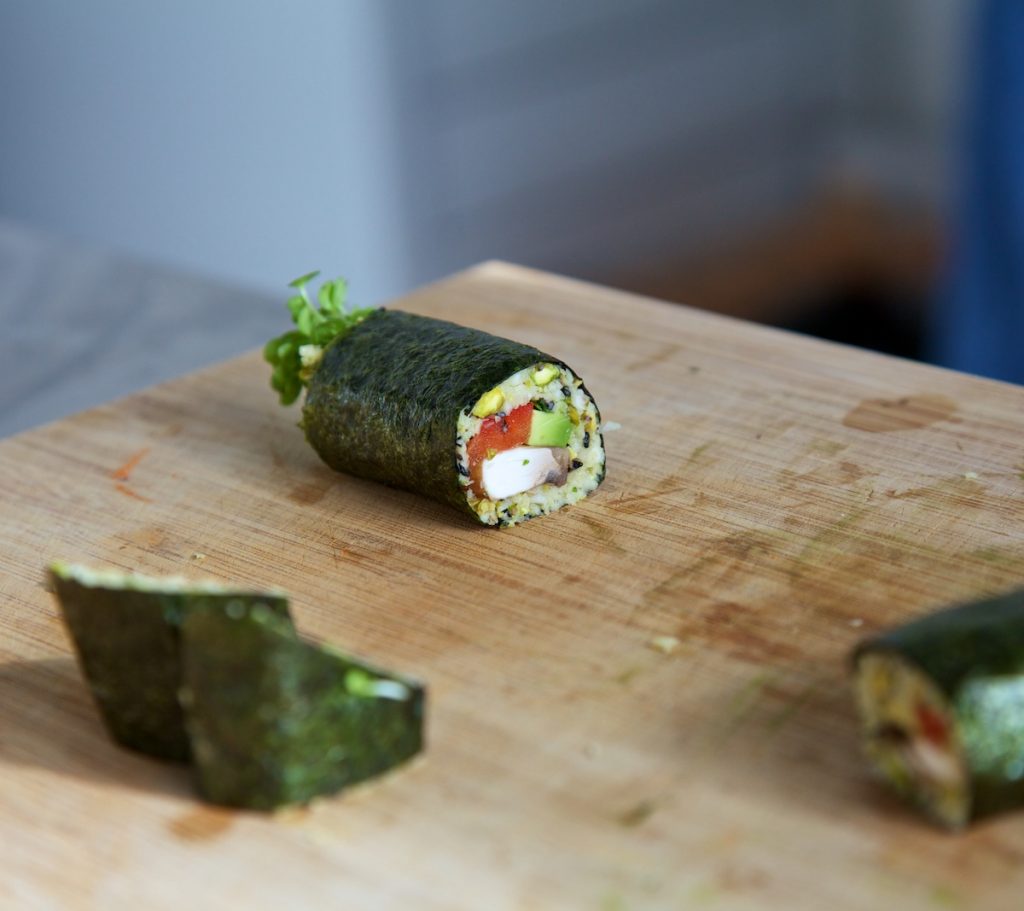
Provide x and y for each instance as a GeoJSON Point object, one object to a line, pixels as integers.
{"type": "Point", "coordinates": [979, 323]}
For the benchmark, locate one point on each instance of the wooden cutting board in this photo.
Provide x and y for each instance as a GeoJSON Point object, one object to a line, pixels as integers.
{"type": "Point", "coordinates": [770, 500]}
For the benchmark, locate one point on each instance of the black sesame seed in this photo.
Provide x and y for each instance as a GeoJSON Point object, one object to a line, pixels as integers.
{"type": "Point", "coordinates": [586, 438]}
{"type": "Point", "coordinates": [576, 463]}
{"type": "Point", "coordinates": [463, 470]}
{"type": "Point", "coordinates": [566, 391]}
{"type": "Point", "coordinates": [466, 411]}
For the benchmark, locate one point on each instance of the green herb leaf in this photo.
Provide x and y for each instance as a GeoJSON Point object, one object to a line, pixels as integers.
{"type": "Point", "coordinates": [303, 280]}
{"type": "Point", "coordinates": [339, 293]}
{"type": "Point", "coordinates": [323, 298]}
{"type": "Point", "coordinates": [314, 326]}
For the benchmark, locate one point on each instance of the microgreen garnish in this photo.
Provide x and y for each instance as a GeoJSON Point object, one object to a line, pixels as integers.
{"type": "Point", "coordinates": [295, 355]}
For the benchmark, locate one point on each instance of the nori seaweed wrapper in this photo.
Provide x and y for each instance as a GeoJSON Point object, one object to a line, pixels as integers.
{"type": "Point", "coordinates": [384, 402]}
{"type": "Point", "coordinates": [974, 654]}
{"type": "Point", "coordinates": [275, 721]}
{"type": "Point", "coordinates": [128, 644]}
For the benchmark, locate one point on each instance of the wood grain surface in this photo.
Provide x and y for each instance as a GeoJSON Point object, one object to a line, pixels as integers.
{"type": "Point", "coordinates": [770, 500]}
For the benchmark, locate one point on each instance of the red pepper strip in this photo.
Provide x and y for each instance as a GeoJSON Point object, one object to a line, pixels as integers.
{"type": "Point", "coordinates": [933, 725]}
{"type": "Point", "coordinates": [497, 434]}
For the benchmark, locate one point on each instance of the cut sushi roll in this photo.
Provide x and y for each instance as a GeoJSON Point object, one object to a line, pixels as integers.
{"type": "Point", "coordinates": [495, 428]}
{"type": "Point", "coordinates": [276, 721]}
{"type": "Point", "coordinates": [942, 706]}
{"type": "Point", "coordinates": [194, 671]}
{"type": "Point", "coordinates": [126, 633]}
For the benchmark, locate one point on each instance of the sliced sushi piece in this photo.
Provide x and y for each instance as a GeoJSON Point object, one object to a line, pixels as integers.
{"type": "Point", "coordinates": [942, 707]}
{"type": "Point", "coordinates": [125, 630]}
{"type": "Point", "coordinates": [276, 721]}
{"type": "Point", "coordinates": [433, 407]}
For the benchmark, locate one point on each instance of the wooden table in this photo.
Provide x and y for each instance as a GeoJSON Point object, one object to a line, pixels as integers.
{"type": "Point", "coordinates": [770, 500]}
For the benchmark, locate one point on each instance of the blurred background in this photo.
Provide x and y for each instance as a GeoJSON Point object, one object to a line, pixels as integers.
{"type": "Point", "coordinates": [794, 162]}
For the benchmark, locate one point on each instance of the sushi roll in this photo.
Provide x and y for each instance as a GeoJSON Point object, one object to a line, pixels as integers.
{"type": "Point", "coordinates": [498, 429]}
{"type": "Point", "coordinates": [274, 720]}
{"type": "Point", "coordinates": [126, 630]}
{"type": "Point", "coordinates": [195, 672]}
{"type": "Point", "coordinates": [942, 707]}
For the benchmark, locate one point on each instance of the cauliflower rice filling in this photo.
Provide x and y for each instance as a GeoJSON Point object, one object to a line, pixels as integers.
{"type": "Point", "coordinates": [910, 736]}
{"type": "Point", "coordinates": [551, 388]}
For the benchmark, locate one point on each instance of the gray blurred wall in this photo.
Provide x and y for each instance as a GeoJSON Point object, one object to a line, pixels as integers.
{"type": "Point", "coordinates": [396, 141]}
{"type": "Point", "coordinates": [246, 140]}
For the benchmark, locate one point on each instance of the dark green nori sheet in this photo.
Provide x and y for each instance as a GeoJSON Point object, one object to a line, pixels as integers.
{"type": "Point", "coordinates": [974, 653]}
{"type": "Point", "coordinates": [127, 641]}
{"type": "Point", "coordinates": [275, 721]}
{"type": "Point", "coordinates": [384, 402]}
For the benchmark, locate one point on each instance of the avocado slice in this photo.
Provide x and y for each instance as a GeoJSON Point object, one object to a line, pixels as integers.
{"type": "Point", "coordinates": [548, 428]}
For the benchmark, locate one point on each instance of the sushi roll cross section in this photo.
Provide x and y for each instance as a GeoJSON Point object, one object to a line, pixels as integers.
{"type": "Point", "coordinates": [942, 707]}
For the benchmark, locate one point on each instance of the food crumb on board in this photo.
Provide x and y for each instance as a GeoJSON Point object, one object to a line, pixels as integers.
{"type": "Point", "coordinates": [609, 426]}
{"type": "Point", "coordinates": [664, 644]}
{"type": "Point", "coordinates": [637, 814]}
{"type": "Point", "coordinates": [124, 472]}
{"type": "Point", "coordinates": [856, 621]}
{"type": "Point", "coordinates": [945, 897]}
{"type": "Point", "coordinates": [970, 476]}
{"type": "Point", "coordinates": [128, 492]}
{"type": "Point", "coordinates": [591, 750]}
{"type": "Point", "coordinates": [197, 557]}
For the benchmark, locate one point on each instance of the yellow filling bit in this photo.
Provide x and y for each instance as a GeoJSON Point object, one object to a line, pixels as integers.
{"type": "Point", "coordinates": [489, 403]}
{"type": "Point", "coordinates": [545, 374]}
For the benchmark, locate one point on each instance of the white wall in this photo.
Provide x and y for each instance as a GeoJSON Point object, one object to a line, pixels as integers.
{"type": "Point", "coordinates": [252, 141]}
{"type": "Point", "coordinates": [397, 141]}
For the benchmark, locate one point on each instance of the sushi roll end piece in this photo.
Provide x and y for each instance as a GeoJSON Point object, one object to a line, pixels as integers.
{"type": "Point", "coordinates": [498, 429]}
{"type": "Point", "coordinates": [941, 702]}
{"type": "Point", "coordinates": [126, 632]}
{"type": "Point", "coordinates": [274, 720]}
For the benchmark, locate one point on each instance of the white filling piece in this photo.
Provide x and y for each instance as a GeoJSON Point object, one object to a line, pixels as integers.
{"type": "Point", "coordinates": [523, 468]}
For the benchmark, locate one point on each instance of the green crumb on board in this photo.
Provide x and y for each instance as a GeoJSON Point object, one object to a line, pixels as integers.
{"type": "Point", "coordinates": [637, 814]}
{"type": "Point", "coordinates": [943, 896]}
{"type": "Point", "coordinates": [628, 675]}
{"type": "Point", "coordinates": [699, 451]}
{"type": "Point", "coordinates": [614, 902]}
{"type": "Point", "coordinates": [704, 893]}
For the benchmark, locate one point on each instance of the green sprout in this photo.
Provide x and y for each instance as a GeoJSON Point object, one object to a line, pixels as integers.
{"type": "Point", "coordinates": [295, 355]}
